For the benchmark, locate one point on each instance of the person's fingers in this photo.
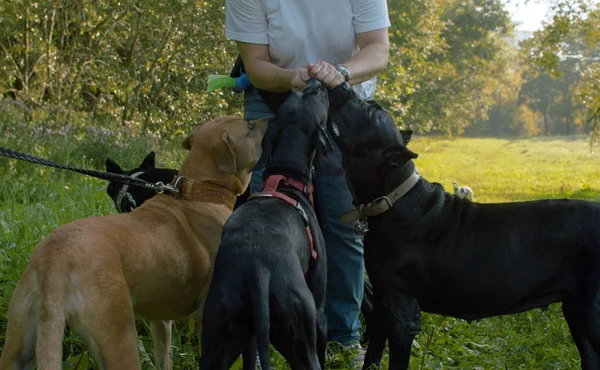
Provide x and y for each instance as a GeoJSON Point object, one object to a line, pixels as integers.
{"type": "Point", "coordinates": [316, 69]}
{"type": "Point", "coordinates": [333, 79]}
{"type": "Point", "coordinates": [338, 80]}
{"type": "Point", "coordinates": [298, 78]}
{"type": "Point", "coordinates": [323, 75]}
{"type": "Point", "coordinates": [328, 80]}
{"type": "Point", "coordinates": [304, 74]}
{"type": "Point", "coordinates": [298, 83]}
{"type": "Point", "coordinates": [326, 73]}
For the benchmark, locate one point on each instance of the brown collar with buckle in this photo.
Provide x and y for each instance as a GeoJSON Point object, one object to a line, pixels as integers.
{"type": "Point", "coordinates": [381, 204]}
{"type": "Point", "coordinates": [203, 191]}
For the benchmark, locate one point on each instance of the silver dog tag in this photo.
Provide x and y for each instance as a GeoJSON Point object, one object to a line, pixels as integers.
{"type": "Point", "coordinates": [362, 227]}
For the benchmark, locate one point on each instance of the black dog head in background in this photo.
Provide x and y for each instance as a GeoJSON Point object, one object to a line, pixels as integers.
{"type": "Point", "coordinates": [129, 197]}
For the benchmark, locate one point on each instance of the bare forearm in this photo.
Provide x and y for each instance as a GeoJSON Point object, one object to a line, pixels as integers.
{"type": "Point", "coordinates": [267, 76]}
{"type": "Point", "coordinates": [262, 73]}
{"type": "Point", "coordinates": [368, 62]}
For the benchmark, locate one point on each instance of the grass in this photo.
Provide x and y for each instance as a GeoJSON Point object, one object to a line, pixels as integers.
{"type": "Point", "coordinates": [34, 200]}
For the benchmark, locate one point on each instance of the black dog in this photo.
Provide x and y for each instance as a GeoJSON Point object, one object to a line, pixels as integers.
{"type": "Point", "coordinates": [129, 197]}
{"type": "Point", "coordinates": [269, 278]}
{"type": "Point", "coordinates": [429, 250]}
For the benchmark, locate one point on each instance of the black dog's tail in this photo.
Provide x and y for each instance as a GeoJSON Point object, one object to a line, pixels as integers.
{"type": "Point", "coordinates": [262, 325]}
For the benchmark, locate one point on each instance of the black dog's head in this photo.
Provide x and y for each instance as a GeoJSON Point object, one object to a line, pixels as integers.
{"type": "Point", "coordinates": [371, 144]}
{"type": "Point", "coordinates": [112, 166]}
{"type": "Point", "coordinates": [299, 128]}
{"type": "Point", "coordinates": [127, 198]}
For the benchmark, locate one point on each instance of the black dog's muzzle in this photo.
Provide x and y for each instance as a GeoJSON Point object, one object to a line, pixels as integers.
{"type": "Point", "coordinates": [124, 196]}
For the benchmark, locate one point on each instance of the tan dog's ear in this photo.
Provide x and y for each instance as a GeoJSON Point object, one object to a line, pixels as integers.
{"type": "Point", "coordinates": [187, 142]}
{"type": "Point", "coordinates": [224, 155]}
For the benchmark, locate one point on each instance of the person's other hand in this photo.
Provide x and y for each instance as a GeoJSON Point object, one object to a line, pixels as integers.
{"type": "Point", "coordinates": [299, 78]}
{"type": "Point", "coordinates": [327, 74]}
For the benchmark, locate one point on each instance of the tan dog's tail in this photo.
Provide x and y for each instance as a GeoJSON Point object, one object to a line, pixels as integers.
{"type": "Point", "coordinates": [260, 308]}
{"type": "Point", "coordinates": [53, 282]}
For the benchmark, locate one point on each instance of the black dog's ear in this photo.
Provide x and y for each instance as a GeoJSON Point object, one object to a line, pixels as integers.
{"type": "Point", "coordinates": [406, 135]}
{"type": "Point", "coordinates": [148, 163]}
{"type": "Point", "coordinates": [113, 167]}
{"type": "Point", "coordinates": [267, 144]}
{"type": "Point", "coordinates": [398, 155]}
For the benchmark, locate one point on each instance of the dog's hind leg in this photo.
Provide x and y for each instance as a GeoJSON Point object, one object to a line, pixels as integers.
{"type": "Point", "coordinates": [219, 352]}
{"type": "Point", "coordinates": [574, 317]}
{"type": "Point", "coordinates": [107, 324]}
{"type": "Point", "coordinates": [294, 327]}
{"type": "Point", "coordinates": [321, 336]}
{"type": "Point", "coordinates": [226, 333]}
{"type": "Point", "coordinates": [161, 340]}
{"type": "Point", "coordinates": [19, 348]}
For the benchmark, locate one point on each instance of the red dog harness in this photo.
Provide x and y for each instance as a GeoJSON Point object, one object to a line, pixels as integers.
{"type": "Point", "coordinates": [270, 190]}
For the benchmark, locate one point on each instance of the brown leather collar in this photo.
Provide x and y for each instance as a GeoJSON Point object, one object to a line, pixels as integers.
{"type": "Point", "coordinates": [381, 204]}
{"type": "Point", "coordinates": [203, 191]}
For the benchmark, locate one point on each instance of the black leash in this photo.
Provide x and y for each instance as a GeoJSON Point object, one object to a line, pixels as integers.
{"type": "Point", "coordinates": [159, 187]}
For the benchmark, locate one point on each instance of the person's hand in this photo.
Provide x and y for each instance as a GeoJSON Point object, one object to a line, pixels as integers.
{"type": "Point", "coordinates": [299, 78]}
{"type": "Point", "coordinates": [327, 74]}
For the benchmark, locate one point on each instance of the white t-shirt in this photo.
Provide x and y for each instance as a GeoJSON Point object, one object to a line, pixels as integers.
{"type": "Point", "coordinates": [300, 32]}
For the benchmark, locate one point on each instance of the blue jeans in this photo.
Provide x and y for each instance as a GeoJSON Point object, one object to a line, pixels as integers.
{"type": "Point", "coordinates": [345, 267]}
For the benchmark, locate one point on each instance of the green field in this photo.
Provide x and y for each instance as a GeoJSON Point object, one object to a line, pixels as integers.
{"type": "Point", "coordinates": [34, 200]}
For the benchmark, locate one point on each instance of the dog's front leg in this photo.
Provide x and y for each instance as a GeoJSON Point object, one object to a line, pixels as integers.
{"type": "Point", "coordinates": [249, 355]}
{"type": "Point", "coordinates": [378, 334]}
{"type": "Point", "coordinates": [403, 322]}
{"type": "Point", "coordinates": [161, 340]}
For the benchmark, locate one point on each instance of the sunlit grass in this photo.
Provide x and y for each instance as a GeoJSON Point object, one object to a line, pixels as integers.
{"type": "Point", "coordinates": [35, 200]}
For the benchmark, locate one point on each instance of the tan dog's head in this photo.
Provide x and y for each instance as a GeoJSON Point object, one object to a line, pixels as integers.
{"type": "Point", "coordinates": [224, 151]}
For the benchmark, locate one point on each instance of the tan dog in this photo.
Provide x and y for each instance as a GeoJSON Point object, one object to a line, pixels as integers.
{"type": "Point", "coordinates": [96, 274]}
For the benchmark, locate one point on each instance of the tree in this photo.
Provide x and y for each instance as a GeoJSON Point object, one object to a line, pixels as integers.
{"type": "Point", "coordinates": [145, 62]}
{"type": "Point", "coordinates": [568, 48]}
{"type": "Point", "coordinates": [444, 54]}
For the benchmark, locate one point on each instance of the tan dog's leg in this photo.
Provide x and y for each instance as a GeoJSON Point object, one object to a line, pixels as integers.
{"type": "Point", "coordinates": [161, 340]}
{"type": "Point", "coordinates": [19, 348]}
{"type": "Point", "coordinates": [107, 324]}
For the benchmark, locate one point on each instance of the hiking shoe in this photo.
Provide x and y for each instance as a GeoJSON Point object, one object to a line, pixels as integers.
{"type": "Point", "coordinates": [357, 353]}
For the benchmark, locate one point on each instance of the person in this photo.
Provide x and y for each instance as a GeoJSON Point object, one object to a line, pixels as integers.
{"type": "Point", "coordinates": [283, 43]}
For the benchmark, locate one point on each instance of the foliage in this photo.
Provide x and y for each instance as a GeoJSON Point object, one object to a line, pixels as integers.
{"type": "Point", "coordinates": [444, 52]}
{"type": "Point", "coordinates": [143, 66]}
{"type": "Point", "coordinates": [143, 63]}
{"type": "Point", "coordinates": [568, 49]}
